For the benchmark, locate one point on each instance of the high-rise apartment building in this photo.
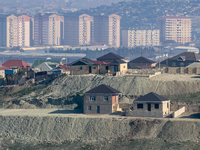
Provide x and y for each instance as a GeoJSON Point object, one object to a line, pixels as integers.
{"type": "Point", "coordinates": [14, 30]}
{"type": "Point", "coordinates": [107, 30]}
{"type": "Point", "coordinates": [77, 30]}
{"type": "Point", "coordinates": [48, 29]}
{"type": "Point", "coordinates": [133, 38]}
{"type": "Point", "coordinates": [11, 30]}
{"type": "Point", "coordinates": [23, 30]}
{"type": "Point", "coordinates": [177, 28]}
{"type": "Point", "coordinates": [3, 22]}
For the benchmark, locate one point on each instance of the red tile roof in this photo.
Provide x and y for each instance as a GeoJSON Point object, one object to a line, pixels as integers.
{"type": "Point", "coordinates": [64, 67]}
{"type": "Point", "coordinates": [4, 68]}
{"type": "Point", "coordinates": [15, 63]}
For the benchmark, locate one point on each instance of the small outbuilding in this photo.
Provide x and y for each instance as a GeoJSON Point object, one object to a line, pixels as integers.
{"type": "Point", "coordinates": [150, 105]}
{"type": "Point", "coordinates": [102, 99]}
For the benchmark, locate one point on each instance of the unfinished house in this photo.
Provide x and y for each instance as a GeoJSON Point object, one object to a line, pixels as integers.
{"type": "Point", "coordinates": [116, 62]}
{"type": "Point", "coordinates": [141, 62]}
{"type": "Point", "coordinates": [110, 66]}
{"type": "Point", "coordinates": [150, 105]}
{"type": "Point", "coordinates": [181, 60]}
{"type": "Point", "coordinates": [101, 100]}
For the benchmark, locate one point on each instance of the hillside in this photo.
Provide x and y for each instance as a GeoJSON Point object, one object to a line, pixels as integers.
{"type": "Point", "coordinates": [144, 14]}
{"type": "Point", "coordinates": [67, 91]}
{"type": "Point", "coordinates": [99, 132]}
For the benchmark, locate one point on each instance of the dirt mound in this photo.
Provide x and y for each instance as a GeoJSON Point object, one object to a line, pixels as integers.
{"type": "Point", "coordinates": [83, 128]}
{"type": "Point", "coordinates": [68, 90]}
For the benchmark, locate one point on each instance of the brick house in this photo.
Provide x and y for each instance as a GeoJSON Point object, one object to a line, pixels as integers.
{"type": "Point", "coordinates": [88, 66]}
{"type": "Point", "coordinates": [102, 99]}
{"type": "Point", "coordinates": [150, 105]}
{"type": "Point", "coordinates": [181, 60]}
{"type": "Point", "coordinates": [140, 62]}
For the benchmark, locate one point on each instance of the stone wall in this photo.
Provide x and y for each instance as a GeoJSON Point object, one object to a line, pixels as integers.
{"type": "Point", "coordinates": [181, 70]}
{"type": "Point", "coordinates": [145, 113]}
{"type": "Point", "coordinates": [178, 112]}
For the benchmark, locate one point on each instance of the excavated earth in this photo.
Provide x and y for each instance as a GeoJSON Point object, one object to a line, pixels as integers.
{"type": "Point", "coordinates": [67, 91]}
{"type": "Point", "coordinates": [53, 126]}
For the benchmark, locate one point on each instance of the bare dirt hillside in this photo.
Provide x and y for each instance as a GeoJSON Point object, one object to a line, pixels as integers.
{"type": "Point", "coordinates": [67, 91]}
{"type": "Point", "coordinates": [56, 126]}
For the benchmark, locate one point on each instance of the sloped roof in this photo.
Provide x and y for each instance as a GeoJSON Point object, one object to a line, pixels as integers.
{"type": "Point", "coordinates": [104, 89]}
{"type": "Point", "coordinates": [194, 64]}
{"type": "Point", "coordinates": [88, 61]}
{"type": "Point", "coordinates": [15, 63]}
{"type": "Point", "coordinates": [117, 61]}
{"type": "Point", "coordinates": [186, 56]}
{"type": "Point", "coordinates": [142, 59]}
{"type": "Point", "coordinates": [84, 60]}
{"type": "Point", "coordinates": [151, 97]}
{"type": "Point", "coordinates": [47, 66]}
{"type": "Point", "coordinates": [110, 56]}
{"type": "Point", "coordinates": [38, 62]}
{"type": "Point", "coordinates": [4, 68]}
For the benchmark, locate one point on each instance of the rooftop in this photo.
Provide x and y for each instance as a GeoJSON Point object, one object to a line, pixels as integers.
{"type": "Point", "coordinates": [104, 89]}
{"type": "Point", "coordinates": [109, 56]}
{"type": "Point", "coordinates": [151, 97]}
{"type": "Point", "coordinates": [15, 63]}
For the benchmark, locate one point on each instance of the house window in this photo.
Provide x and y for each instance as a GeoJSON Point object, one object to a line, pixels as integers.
{"type": "Point", "coordinates": [94, 67]}
{"type": "Point", "coordinates": [182, 64]}
{"type": "Point", "coordinates": [124, 66]}
{"type": "Point", "coordinates": [173, 64]}
{"type": "Point", "coordinates": [106, 98]}
{"type": "Point", "coordinates": [140, 106]}
{"type": "Point", "coordinates": [89, 108]}
{"type": "Point", "coordinates": [106, 67]}
{"type": "Point", "coordinates": [92, 98]}
{"type": "Point", "coordinates": [156, 106]}
{"type": "Point", "coordinates": [81, 68]}
{"type": "Point", "coordinates": [167, 105]}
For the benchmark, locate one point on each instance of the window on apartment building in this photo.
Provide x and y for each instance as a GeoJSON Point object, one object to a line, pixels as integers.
{"type": "Point", "coordinates": [81, 68]}
{"type": "Point", "coordinates": [92, 98]}
{"type": "Point", "coordinates": [139, 106]}
{"type": "Point", "coordinates": [94, 67]}
{"type": "Point", "coordinates": [156, 106]}
{"type": "Point", "coordinates": [105, 98]}
{"type": "Point", "coordinates": [89, 108]}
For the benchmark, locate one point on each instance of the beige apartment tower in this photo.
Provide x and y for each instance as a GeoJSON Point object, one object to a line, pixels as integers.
{"type": "Point", "coordinates": [77, 30]}
{"type": "Point", "coordinates": [12, 31]}
{"type": "Point", "coordinates": [48, 29]}
{"type": "Point", "coordinates": [134, 38]}
{"type": "Point", "coordinates": [177, 28]}
{"type": "Point", "coordinates": [107, 30]}
{"type": "Point", "coordinates": [17, 31]}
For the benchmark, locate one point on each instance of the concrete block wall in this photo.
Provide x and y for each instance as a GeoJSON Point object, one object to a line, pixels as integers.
{"type": "Point", "coordinates": [181, 70]}
{"type": "Point", "coordinates": [144, 113]}
{"type": "Point", "coordinates": [178, 112]}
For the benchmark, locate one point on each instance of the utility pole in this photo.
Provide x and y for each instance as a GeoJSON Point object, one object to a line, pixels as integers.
{"type": "Point", "coordinates": [66, 59]}
{"type": "Point", "coordinates": [159, 56]}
